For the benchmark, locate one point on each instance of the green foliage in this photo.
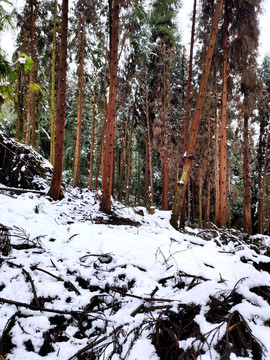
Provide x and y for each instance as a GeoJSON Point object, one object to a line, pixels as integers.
{"type": "Point", "coordinates": [162, 19]}
{"type": "Point", "coordinates": [265, 72]}
{"type": "Point", "coordinates": [28, 62]}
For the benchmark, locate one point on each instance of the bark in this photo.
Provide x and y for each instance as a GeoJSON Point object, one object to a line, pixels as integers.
{"type": "Point", "coordinates": [146, 175]}
{"type": "Point", "coordinates": [188, 103]}
{"type": "Point", "coordinates": [101, 151]}
{"type": "Point", "coordinates": [165, 183]}
{"type": "Point", "coordinates": [129, 150]}
{"type": "Point", "coordinates": [223, 126]}
{"type": "Point", "coordinates": [123, 154]}
{"type": "Point", "coordinates": [216, 158]}
{"type": "Point", "coordinates": [31, 120]}
{"type": "Point", "coordinates": [181, 190]}
{"type": "Point", "coordinates": [20, 104]}
{"type": "Point", "coordinates": [92, 136]}
{"type": "Point", "coordinates": [200, 196]}
{"type": "Point", "coordinates": [208, 183]}
{"type": "Point", "coordinates": [76, 170]}
{"type": "Point", "coordinates": [262, 187]}
{"type": "Point", "coordinates": [55, 190]}
{"type": "Point", "coordinates": [53, 112]}
{"type": "Point", "coordinates": [107, 179]}
{"type": "Point", "coordinates": [151, 208]}
{"type": "Point", "coordinates": [247, 209]}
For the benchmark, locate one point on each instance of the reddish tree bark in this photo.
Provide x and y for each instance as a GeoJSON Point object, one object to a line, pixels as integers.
{"type": "Point", "coordinates": [92, 136]}
{"type": "Point", "coordinates": [216, 158]}
{"type": "Point", "coordinates": [107, 179]}
{"type": "Point", "coordinates": [181, 190]}
{"type": "Point", "coordinates": [223, 125]}
{"type": "Point", "coordinates": [79, 113]}
{"type": "Point", "coordinates": [188, 103]}
{"type": "Point", "coordinates": [165, 180]}
{"type": "Point", "coordinates": [247, 209]}
{"type": "Point", "coordinates": [55, 190]}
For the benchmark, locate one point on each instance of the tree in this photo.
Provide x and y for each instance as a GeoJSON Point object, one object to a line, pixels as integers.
{"type": "Point", "coordinates": [55, 189]}
{"type": "Point", "coordinates": [182, 186]}
{"type": "Point", "coordinates": [107, 178]}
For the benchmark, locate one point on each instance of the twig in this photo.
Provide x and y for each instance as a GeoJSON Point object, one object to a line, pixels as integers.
{"type": "Point", "coordinates": [36, 308]}
{"type": "Point", "coordinates": [66, 283]}
{"type": "Point", "coordinates": [33, 287]}
{"type": "Point", "coordinates": [150, 299]}
{"type": "Point", "coordinates": [94, 343]}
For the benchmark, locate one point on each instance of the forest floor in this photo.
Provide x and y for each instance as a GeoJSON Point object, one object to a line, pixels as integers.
{"type": "Point", "coordinates": [78, 284]}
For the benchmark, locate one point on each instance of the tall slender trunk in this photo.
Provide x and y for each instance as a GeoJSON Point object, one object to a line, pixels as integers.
{"type": "Point", "coordinates": [181, 191]}
{"type": "Point", "coordinates": [20, 103]}
{"type": "Point", "coordinates": [188, 103]}
{"type": "Point", "coordinates": [101, 151]}
{"type": "Point", "coordinates": [208, 183]}
{"type": "Point", "coordinates": [107, 179]}
{"type": "Point", "coordinates": [123, 154]}
{"type": "Point", "coordinates": [216, 157]}
{"type": "Point", "coordinates": [146, 174]}
{"type": "Point", "coordinates": [92, 135]}
{"type": "Point", "coordinates": [76, 171]}
{"type": "Point", "coordinates": [223, 125]}
{"type": "Point", "coordinates": [200, 196]}
{"type": "Point", "coordinates": [247, 209]}
{"type": "Point", "coordinates": [165, 184]}
{"type": "Point", "coordinates": [129, 150]}
{"type": "Point", "coordinates": [262, 202]}
{"type": "Point", "coordinates": [151, 207]}
{"type": "Point", "coordinates": [53, 113]}
{"type": "Point", "coordinates": [55, 190]}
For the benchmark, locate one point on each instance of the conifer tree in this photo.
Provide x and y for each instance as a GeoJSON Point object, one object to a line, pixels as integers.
{"type": "Point", "coordinates": [55, 189]}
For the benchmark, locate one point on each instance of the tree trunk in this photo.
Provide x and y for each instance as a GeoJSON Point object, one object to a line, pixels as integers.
{"type": "Point", "coordinates": [146, 174]}
{"type": "Point", "coordinates": [188, 103]}
{"type": "Point", "coordinates": [92, 135]}
{"type": "Point", "coordinates": [223, 126]}
{"type": "Point", "coordinates": [123, 154]}
{"type": "Point", "coordinates": [129, 150]}
{"type": "Point", "coordinates": [55, 190]}
{"type": "Point", "coordinates": [208, 183]}
{"type": "Point", "coordinates": [247, 210]}
{"type": "Point", "coordinates": [107, 179]}
{"type": "Point", "coordinates": [52, 142]}
{"type": "Point", "coordinates": [181, 190]}
{"type": "Point", "coordinates": [101, 151]}
{"type": "Point", "coordinates": [20, 103]}
{"type": "Point", "coordinates": [200, 196]}
{"type": "Point", "coordinates": [76, 170]}
{"type": "Point", "coordinates": [31, 120]}
{"type": "Point", "coordinates": [216, 157]}
{"type": "Point", "coordinates": [262, 182]}
{"type": "Point", "coordinates": [151, 208]}
{"type": "Point", "coordinates": [165, 184]}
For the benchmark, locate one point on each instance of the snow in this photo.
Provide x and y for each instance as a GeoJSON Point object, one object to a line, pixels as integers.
{"type": "Point", "coordinates": [112, 260]}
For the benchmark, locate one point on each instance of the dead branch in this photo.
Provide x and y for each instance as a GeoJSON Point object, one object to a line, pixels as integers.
{"type": "Point", "coordinates": [66, 283]}
{"type": "Point", "coordinates": [21, 191]}
{"type": "Point", "coordinates": [36, 308]}
{"type": "Point", "coordinates": [151, 298]}
{"type": "Point", "coordinates": [33, 287]}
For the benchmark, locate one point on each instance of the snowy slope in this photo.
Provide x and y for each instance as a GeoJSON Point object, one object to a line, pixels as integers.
{"type": "Point", "coordinates": [127, 292]}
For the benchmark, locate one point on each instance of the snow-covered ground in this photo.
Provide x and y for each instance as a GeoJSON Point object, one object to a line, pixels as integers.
{"type": "Point", "coordinates": [122, 290]}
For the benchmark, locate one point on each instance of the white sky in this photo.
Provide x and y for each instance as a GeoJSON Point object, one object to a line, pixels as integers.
{"type": "Point", "coordinates": [7, 39]}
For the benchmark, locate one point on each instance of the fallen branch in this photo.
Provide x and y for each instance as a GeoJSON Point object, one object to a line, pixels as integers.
{"type": "Point", "coordinates": [150, 299]}
{"type": "Point", "coordinates": [33, 288]}
{"type": "Point", "coordinates": [21, 191]}
{"type": "Point", "coordinates": [66, 283]}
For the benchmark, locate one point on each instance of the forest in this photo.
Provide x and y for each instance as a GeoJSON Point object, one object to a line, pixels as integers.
{"type": "Point", "coordinates": [109, 93]}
